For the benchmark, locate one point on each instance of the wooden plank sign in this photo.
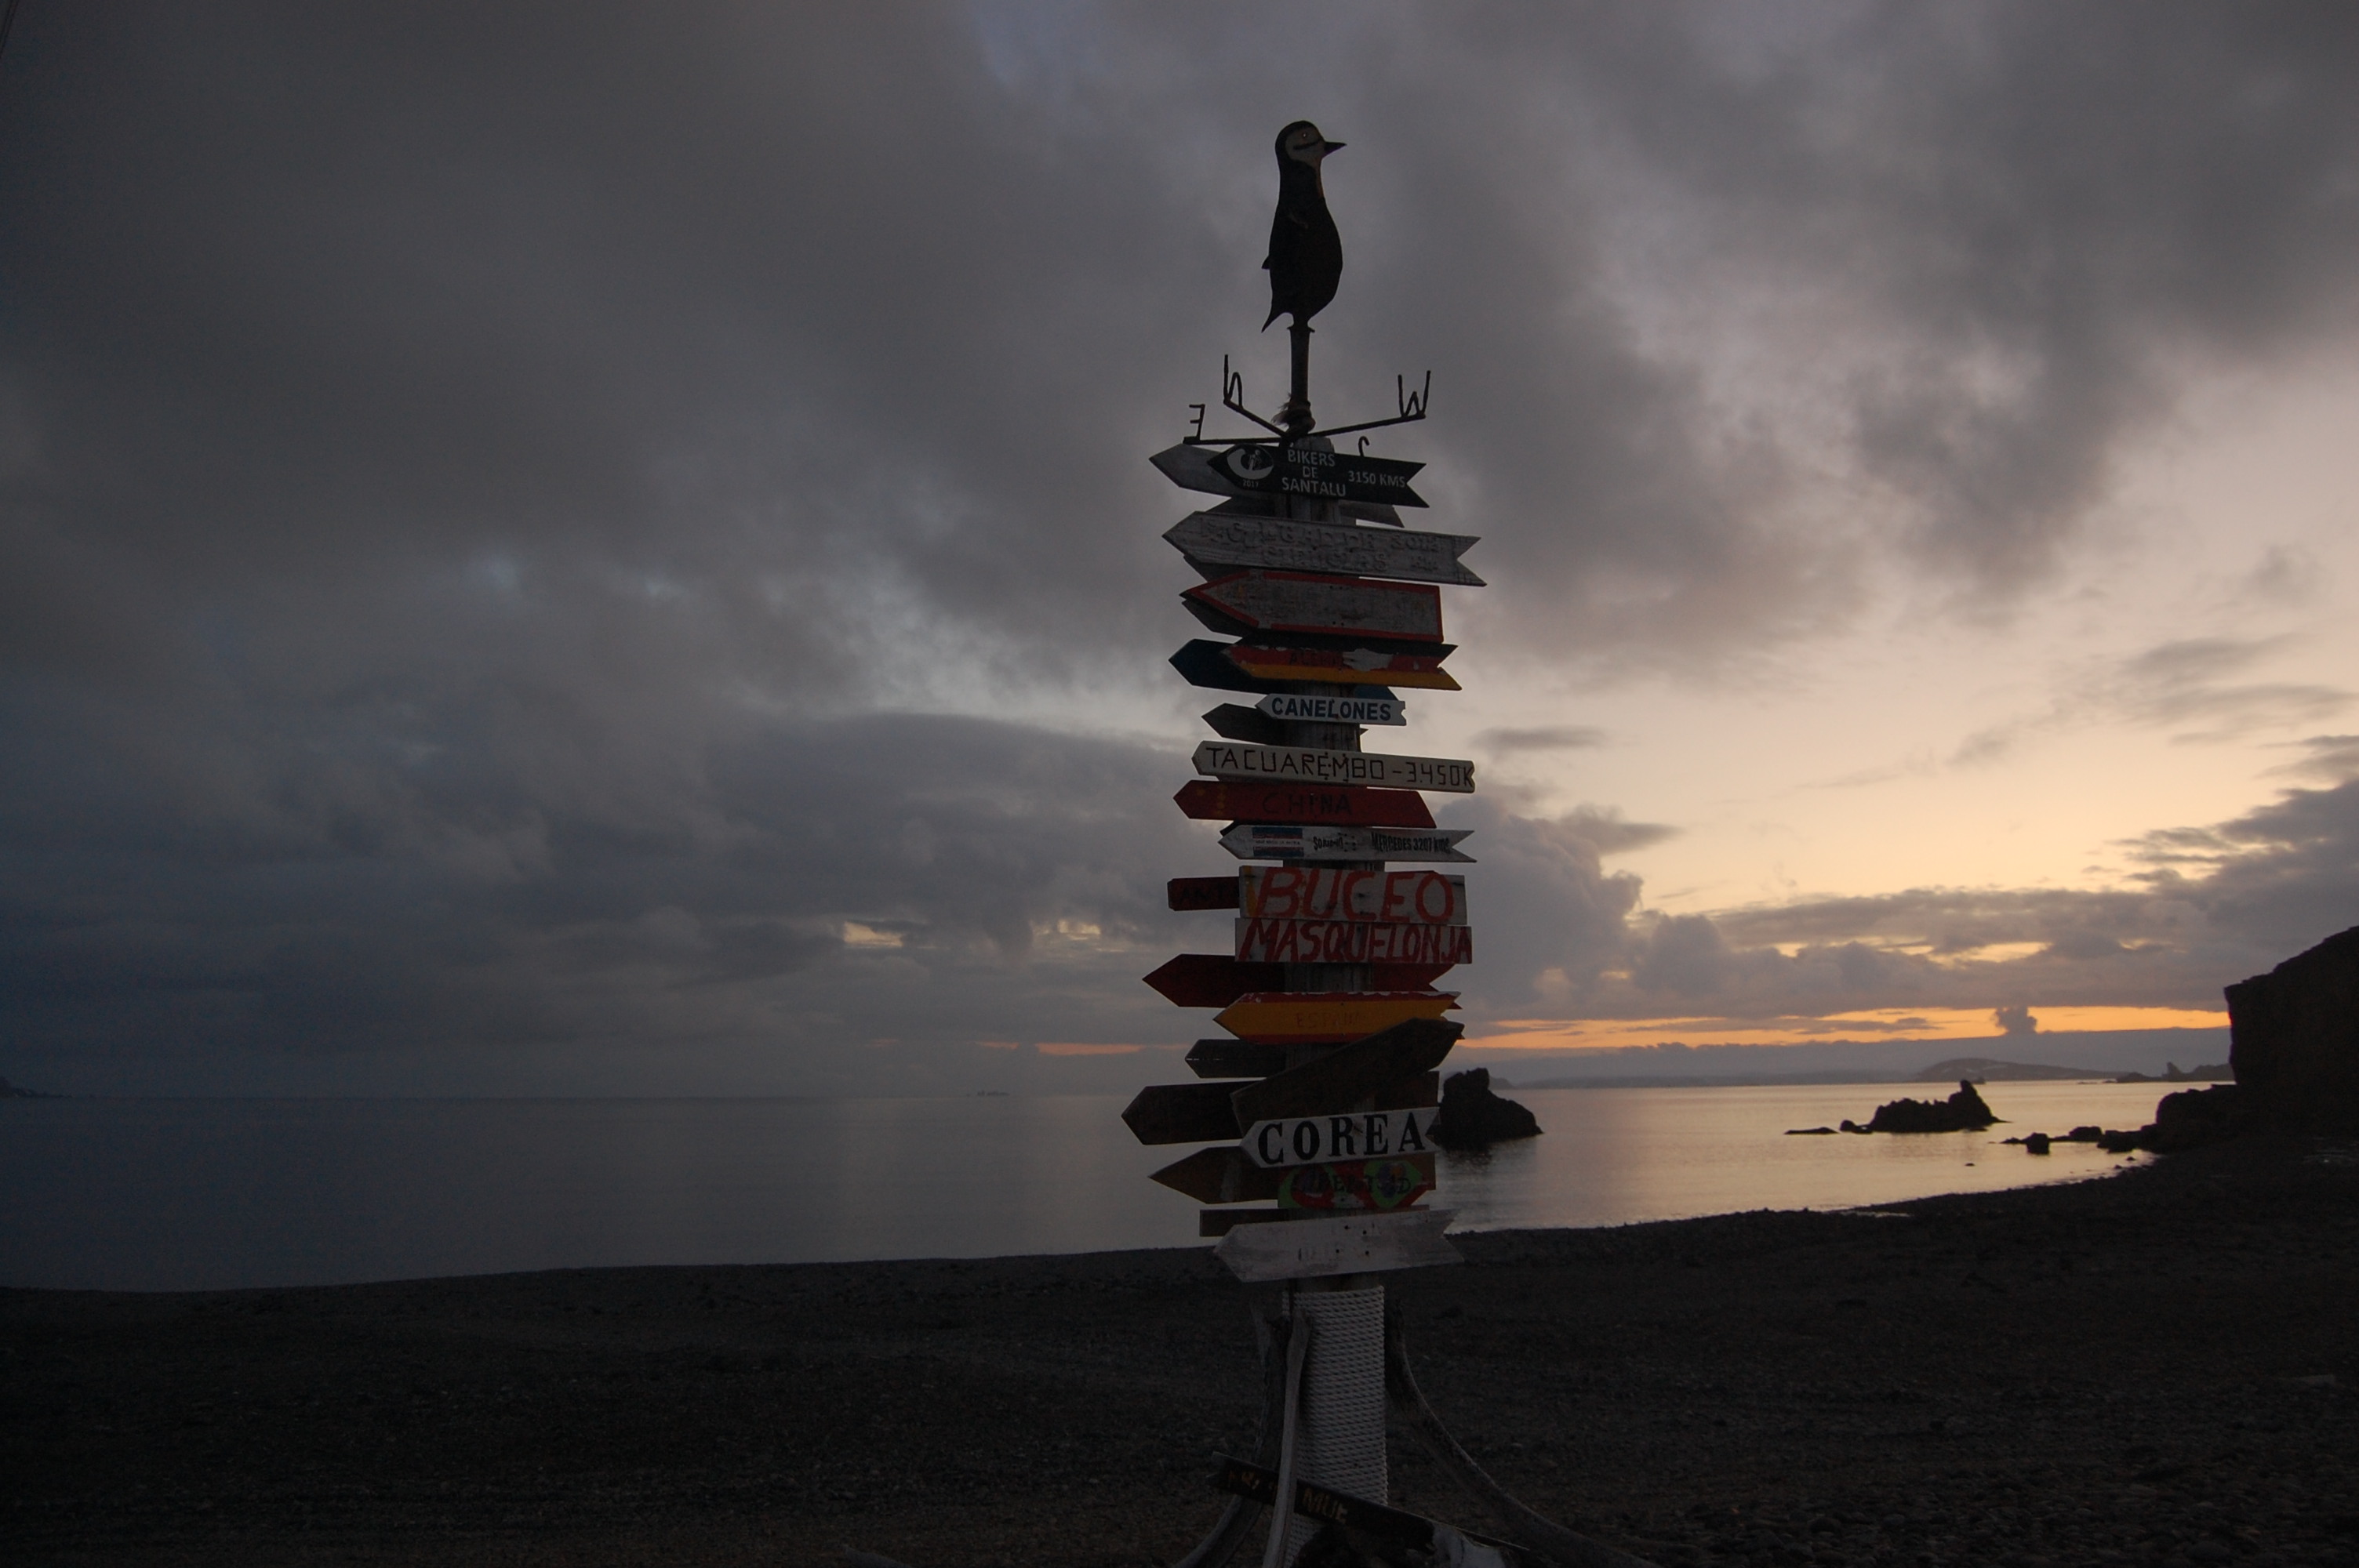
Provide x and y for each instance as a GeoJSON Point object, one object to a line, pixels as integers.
{"type": "Point", "coordinates": [1342, 667]}
{"type": "Point", "coordinates": [1260, 842]}
{"type": "Point", "coordinates": [1364, 1070]}
{"type": "Point", "coordinates": [1356, 709]}
{"type": "Point", "coordinates": [1333, 892]}
{"type": "Point", "coordinates": [1202, 893]}
{"type": "Point", "coordinates": [1313, 1017]}
{"type": "Point", "coordinates": [1233, 539]}
{"type": "Point", "coordinates": [1308, 764]}
{"type": "Point", "coordinates": [1351, 942]}
{"type": "Point", "coordinates": [1354, 1244]}
{"type": "Point", "coordinates": [1216, 980]}
{"type": "Point", "coordinates": [1337, 805]}
{"type": "Point", "coordinates": [1364, 1185]}
{"type": "Point", "coordinates": [1356, 1135]}
{"type": "Point", "coordinates": [1318, 604]}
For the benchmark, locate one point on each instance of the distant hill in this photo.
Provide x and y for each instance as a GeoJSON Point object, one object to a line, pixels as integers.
{"type": "Point", "coordinates": [1990, 1070]}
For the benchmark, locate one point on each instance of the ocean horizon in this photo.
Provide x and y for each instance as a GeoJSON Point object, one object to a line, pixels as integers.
{"type": "Point", "coordinates": [193, 1193]}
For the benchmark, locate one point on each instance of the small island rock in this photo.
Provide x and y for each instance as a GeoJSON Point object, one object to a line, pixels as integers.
{"type": "Point", "coordinates": [1962, 1112]}
{"type": "Point", "coordinates": [1471, 1117]}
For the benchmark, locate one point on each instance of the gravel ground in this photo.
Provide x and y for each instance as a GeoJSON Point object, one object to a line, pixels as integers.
{"type": "Point", "coordinates": [2158, 1367]}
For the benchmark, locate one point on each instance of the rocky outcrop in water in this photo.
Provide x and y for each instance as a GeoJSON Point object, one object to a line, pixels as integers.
{"type": "Point", "coordinates": [1962, 1112]}
{"type": "Point", "coordinates": [2294, 1040]}
{"type": "Point", "coordinates": [1471, 1117]}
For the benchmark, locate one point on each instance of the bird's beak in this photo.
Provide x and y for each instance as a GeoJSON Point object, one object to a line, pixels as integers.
{"type": "Point", "coordinates": [1326, 147]}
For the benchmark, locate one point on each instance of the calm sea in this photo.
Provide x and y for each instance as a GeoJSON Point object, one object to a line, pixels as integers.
{"type": "Point", "coordinates": [179, 1195]}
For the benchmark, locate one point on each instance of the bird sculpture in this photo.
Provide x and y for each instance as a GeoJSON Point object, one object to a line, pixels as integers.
{"type": "Point", "coordinates": [1306, 254]}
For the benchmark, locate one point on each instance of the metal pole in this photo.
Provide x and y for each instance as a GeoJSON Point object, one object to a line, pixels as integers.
{"type": "Point", "coordinates": [1296, 414]}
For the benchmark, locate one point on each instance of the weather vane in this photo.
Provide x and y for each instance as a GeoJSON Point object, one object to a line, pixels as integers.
{"type": "Point", "coordinates": [1305, 265]}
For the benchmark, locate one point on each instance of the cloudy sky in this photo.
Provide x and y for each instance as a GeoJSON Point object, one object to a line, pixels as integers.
{"type": "Point", "coordinates": [586, 548]}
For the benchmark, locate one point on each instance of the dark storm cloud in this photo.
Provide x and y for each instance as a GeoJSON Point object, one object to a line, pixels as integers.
{"type": "Point", "coordinates": [451, 456]}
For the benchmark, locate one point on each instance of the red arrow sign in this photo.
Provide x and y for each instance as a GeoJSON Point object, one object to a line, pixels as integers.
{"type": "Point", "coordinates": [1333, 806]}
{"type": "Point", "coordinates": [1331, 892]}
{"type": "Point", "coordinates": [1342, 667]}
{"type": "Point", "coordinates": [1216, 980]}
{"type": "Point", "coordinates": [1203, 893]}
{"type": "Point", "coordinates": [1323, 605]}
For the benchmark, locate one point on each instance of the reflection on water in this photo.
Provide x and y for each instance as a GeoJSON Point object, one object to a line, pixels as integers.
{"type": "Point", "coordinates": [169, 1194]}
{"type": "Point", "coordinates": [1611, 1156]}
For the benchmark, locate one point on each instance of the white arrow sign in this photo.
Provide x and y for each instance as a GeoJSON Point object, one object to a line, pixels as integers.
{"type": "Point", "coordinates": [1335, 710]}
{"type": "Point", "coordinates": [1265, 841]}
{"type": "Point", "coordinates": [1352, 1135]}
{"type": "Point", "coordinates": [1233, 539]}
{"type": "Point", "coordinates": [1234, 760]}
{"type": "Point", "coordinates": [1357, 1244]}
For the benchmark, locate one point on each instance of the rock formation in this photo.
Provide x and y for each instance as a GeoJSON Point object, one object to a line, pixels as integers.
{"type": "Point", "coordinates": [1962, 1112]}
{"type": "Point", "coordinates": [1471, 1117]}
{"type": "Point", "coordinates": [2294, 1040]}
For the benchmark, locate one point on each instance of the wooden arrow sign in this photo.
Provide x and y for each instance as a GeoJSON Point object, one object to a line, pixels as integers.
{"type": "Point", "coordinates": [1231, 539]}
{"type": "Point", "coordinates": [1312, 469]}
{"type": "Point", "coordinates": [1312, 1018]}
{"type": "Point", "coordinates": [1351, 942]}
{"type": "Point", "coordinates": [1222, 1174]}
{"type": "Point", "coordinates": [1352, 1135]}
{"type": "Point", "coordinates": [1342, 667]}
{"type": "Point", "coordinates": [1323, 605]}
{"type": "Point", "coordinates": [1256, 841]}
{"type": "Point", "coordinates": [1213, 979]}
{"type": "Point", "coordinates": [1201, 1113]}
{"type": "Point", "coordinates": [1238, 722]}
{"type": "Point", "coordinates": [1235, 1058]}
{"type": "Point", "coordinates": [1190, 467]}
{"type": "Point", "coordinates": [1181, 1113]}
{"type": "Point", "coordinates": [1307, 764]}
{"type": "Point", "coordinates": [1337, 805]}
{"type": "Point", "coordinates": [1202, 893]}
{"type": "Point", "coordinates": [1216, 980]}
{"type": "Point", "coordinates": [1354, 1244]}
{"type": "Point", "coordinates": [1205, 663]}
{"type": "Point", "coordinates": [1331, 892]}
{"type": "Point", "coordinates": [1361, 707]}
{"type": "Point", "coordinates": [1342, 1079]}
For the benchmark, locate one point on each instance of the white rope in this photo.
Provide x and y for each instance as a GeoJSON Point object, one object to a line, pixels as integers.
{"type": "Point", "coordinates": [1341, 1444]}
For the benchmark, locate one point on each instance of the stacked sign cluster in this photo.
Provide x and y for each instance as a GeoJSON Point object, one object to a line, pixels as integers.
{"type": "Point", "coordinates": [1343, 925]}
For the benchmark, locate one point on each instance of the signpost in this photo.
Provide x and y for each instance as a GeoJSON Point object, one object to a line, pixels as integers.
{"type": "Point", "coordinates": [1342, 667]}
{"type": "Point", "coordinates": [1235, 539]}
{"type": "Point", "coordinates": [1342, 805]}
{"type": "Point", "coordinates": [1321, 1106]}
{"type": "Point", "coordinates": [1234, 760]}
{"type": "Point", "coordinates": [1321, 605]}
{"type": "Point", "coordinates": [1262, 841]}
